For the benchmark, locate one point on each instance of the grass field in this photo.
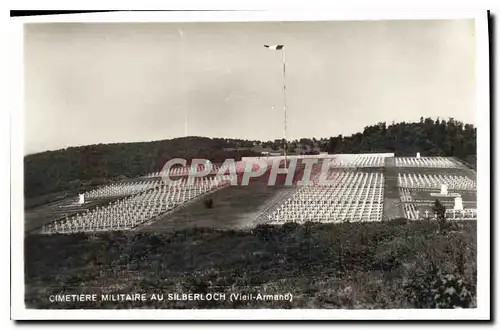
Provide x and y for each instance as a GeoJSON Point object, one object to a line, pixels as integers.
{"type": "Point", "coordinates": [395, 264]}
{"type": "Point", "coordinates": [235, 207]}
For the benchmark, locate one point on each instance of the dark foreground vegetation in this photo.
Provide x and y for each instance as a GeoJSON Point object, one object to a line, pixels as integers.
{"type": "Point", "coordinates": [77, 168]}
{"type": "Point", "coordinates": [397, 264]}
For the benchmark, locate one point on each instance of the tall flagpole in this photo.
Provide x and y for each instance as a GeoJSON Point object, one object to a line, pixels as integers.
{"type": "Point", "coordinates": [284, 100]}
{"type": "Point", "coordinates": [182, 83]}
{"type": "Point", "coordinates": [283, 62]}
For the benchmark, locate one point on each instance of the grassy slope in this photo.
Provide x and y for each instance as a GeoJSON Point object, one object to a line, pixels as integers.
{"type": "Point", "coordinates": [234, 207]}
{"type": "Point", "coordinates": [349, 265]}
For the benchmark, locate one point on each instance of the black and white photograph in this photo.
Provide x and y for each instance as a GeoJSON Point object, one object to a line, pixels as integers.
{"type": "Point", "coordinates": [277, 165]}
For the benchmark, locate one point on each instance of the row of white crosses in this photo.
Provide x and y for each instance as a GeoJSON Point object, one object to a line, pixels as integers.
{"type": "Point", "coordinates": [435, 181]}
{"type": "Point", "coordinates": [409, 208]}
{"type": "Point", "coordinates": [339, 160]}
{"type": "Point", "coordinates": [120, 189]}
{"type": "Point", "coordinates": [182, 171]}
{"type": "Point", "coordinates": [132, 211]}
{"type": "Point", "coordinates": [437, 162]}
{"type": "Point", "coordinates": [185, 170]}
{"type": "Point", "coordinates": [465, 214]}
{"type": "Point", "coordinates": [412, 213]}
{"type": "Point", "coordinates": [352, 161]}
{"type": "Point", "coordinates": [313, 179]}
{"type": "Point", "coordinates": [353, 196]}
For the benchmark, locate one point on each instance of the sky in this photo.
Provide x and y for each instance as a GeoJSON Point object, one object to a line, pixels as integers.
{"type": "Point", "coordinates": [88, 83]}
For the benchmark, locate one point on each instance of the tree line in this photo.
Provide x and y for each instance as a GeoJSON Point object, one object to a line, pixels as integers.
{"type": "Point", "coordinates": [77, 168]}
{"type": "Point", "coordinates": [430, 137]}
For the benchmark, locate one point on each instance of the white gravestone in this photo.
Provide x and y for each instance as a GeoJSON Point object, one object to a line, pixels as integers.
{"type": "Point", "coordinates": [444, 189]}
{"type": "Point", "coordinates": [458, 204]}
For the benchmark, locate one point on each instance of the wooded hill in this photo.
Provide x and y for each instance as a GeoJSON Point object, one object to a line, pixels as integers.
{"type": "Point", "coordinates": [77, 168]}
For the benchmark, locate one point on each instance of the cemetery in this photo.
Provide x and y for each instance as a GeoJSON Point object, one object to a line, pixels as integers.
{"type": "Point", "coordinates": [424, 181]}
{"type": "Point", "coordinates": [129, 212]}
{"type": "Point", "coordinates": [355, 196]}
{"type": "Point", "coordinates": [355, 193]}
{"type": "Point", "coordinates": [436, 162]}
{"type": "Point", "coordinates": [120, 190]}
{"type": "Point", "coordinates": [419, 191]}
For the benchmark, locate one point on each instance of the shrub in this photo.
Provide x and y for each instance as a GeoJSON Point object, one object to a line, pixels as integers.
{"type": "Point", "coordinates": [154, 240]}
{"type": "Point", "coordinates": [290, 227]}
{"type": "Point", "coordinates": [386, 262]}
{"type": "Point", "coordinates": [209, 203]}
{"type": "Point", "coordinates": [265, 232]}
{"type": "Point", "coordinates": [441, 214]}
{"type": "Point", "coordinates": [434, 289]}
{"type": "Point", "coordinates": [398, 221]}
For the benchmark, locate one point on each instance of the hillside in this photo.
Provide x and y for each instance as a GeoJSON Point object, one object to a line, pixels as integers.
{"type": "Point", "coordinates": [80, 167]}
{"type": "Point", "coordinates": [348, 265]}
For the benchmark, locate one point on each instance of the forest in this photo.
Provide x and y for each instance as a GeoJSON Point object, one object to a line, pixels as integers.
{"type": "Point", "coordinates": [431, 138]}
{"type": "Point", "coordinates": [78, 168]}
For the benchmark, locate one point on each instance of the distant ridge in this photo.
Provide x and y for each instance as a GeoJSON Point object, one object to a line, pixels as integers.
{"type": "Point", "coordinates": [77, 168]}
